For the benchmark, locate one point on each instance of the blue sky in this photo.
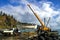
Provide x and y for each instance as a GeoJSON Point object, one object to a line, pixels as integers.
{"type": "Point", "coordinates": [6, 2]}
{"type": "Point", "coordinates": [56, 3]}
{"type": "Point", "coordinates": [44, 8]}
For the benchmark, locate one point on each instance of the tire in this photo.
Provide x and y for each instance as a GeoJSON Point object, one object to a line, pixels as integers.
{"type": "Point", "coordinates": [49, 38]}
{"type": "Point", "coordinates": [41, 38]}
{"type": "Point", "coordinates": [35, 38]}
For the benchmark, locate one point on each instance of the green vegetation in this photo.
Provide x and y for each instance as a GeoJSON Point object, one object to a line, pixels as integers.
{"type": "Point", "coordinates": [7, 21]}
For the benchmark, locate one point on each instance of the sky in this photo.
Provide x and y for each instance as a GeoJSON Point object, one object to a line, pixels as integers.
{"type": "Point", "coordinates": [44, 9]}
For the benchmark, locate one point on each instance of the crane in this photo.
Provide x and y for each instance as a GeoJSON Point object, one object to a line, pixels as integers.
{"type": "Point", "coordinates": [43, 27]}
{"type": "Point", "coordinates": [44, 32]}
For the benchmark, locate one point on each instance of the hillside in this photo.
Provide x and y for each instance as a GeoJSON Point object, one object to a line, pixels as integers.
{"type": "Point", "coordinates": [7, 21]}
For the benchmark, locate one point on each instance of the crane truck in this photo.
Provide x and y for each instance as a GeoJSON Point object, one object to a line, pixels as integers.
{"type": "Point", "coordinates": [43, 32]}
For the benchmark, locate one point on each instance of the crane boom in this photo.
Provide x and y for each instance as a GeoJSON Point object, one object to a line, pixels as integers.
{"type": "Point", "coordinates": [36, 16]}
{"type": "Point", "coordinates": [42, 23]}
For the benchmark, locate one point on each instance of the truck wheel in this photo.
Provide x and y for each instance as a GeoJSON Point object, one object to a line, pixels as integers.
{"type": "Point", "coordinates": [34, 38]}
{"type": "Point", "coordinates": [41, 38]}
{"type": "Point", "coordinates": [49, 38]}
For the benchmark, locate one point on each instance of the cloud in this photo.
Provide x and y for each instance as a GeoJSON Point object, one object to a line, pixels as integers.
{"type": "Point", "coordinates": [24, 14]}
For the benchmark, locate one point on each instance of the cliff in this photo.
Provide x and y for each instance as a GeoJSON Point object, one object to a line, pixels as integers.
{"type": "Point", "coordinates": [7, 21]}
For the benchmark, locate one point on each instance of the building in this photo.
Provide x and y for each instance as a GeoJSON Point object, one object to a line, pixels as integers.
{"type": "Point", "coordinates": [27, 25]}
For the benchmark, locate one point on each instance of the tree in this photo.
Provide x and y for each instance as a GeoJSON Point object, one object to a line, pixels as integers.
{"type": "Point", "coordinates": [8, 21]}
{"type": "Point", "coordinates": [0, 13]}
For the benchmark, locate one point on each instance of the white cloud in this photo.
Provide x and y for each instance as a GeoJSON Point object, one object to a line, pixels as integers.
{"type": "Point", "coordinates": [23, 13]}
